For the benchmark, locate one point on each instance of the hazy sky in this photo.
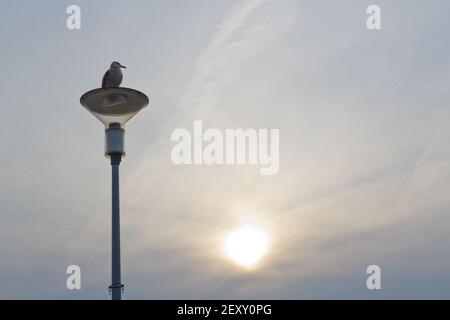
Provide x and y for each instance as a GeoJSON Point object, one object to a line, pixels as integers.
{"type": "Point", "coordinates": [364, 148]}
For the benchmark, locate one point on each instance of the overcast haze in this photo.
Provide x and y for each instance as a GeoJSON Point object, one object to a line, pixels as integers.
{"type": "Point", "coordinates": [364, 148]}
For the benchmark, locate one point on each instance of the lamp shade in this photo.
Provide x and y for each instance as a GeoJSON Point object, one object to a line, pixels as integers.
{"type": "Point", "coordinates": [114, 105]}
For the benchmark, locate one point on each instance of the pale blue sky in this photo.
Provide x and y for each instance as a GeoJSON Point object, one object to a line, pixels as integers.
{"type": "Point", "coordinates": [364, 165]}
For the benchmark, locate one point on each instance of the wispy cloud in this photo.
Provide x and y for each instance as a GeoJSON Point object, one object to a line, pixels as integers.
{"type": "Point", "coordinates": [249, 27]}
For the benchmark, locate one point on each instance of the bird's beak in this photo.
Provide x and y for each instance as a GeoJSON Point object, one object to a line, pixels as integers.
{"type": "Point", "coordinates": [123, 67]}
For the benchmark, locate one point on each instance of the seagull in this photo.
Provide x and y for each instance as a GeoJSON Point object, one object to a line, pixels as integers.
{"type": "Point", "coordinates": [113, 77]}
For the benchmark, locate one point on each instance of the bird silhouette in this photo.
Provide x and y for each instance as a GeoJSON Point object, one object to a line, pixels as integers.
{"type": "Point", "coordinates": [113, 77]}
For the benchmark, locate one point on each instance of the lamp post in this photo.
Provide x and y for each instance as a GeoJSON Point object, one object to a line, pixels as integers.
{"type": "Point", "coordinates": [114, 107]}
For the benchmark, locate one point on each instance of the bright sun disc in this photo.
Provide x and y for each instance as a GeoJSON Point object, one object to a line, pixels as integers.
{"type": "Point", "coordinates": [246, 245]}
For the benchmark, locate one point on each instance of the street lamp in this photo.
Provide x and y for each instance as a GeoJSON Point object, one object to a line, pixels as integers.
{"type": "Point", "coordinates": [114, 107]}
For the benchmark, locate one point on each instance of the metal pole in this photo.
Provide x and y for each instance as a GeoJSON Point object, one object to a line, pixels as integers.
{"type": "Point", "coordinates": [116, 283]}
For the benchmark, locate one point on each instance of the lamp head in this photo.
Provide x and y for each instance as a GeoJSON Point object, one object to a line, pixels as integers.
{"type": "Point", "coordinates": [114, 105]}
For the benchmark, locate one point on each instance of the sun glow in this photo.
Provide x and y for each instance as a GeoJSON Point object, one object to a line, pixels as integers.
{"type": "Point", "coordinates": [246, 245]}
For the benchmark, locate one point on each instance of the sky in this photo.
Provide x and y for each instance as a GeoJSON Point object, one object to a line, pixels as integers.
{"type": "Point", "coordinates": [364, 175]}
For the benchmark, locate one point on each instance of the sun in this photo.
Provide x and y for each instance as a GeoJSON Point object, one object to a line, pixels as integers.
{"type": "Point", "coordinates": [246, 245]}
